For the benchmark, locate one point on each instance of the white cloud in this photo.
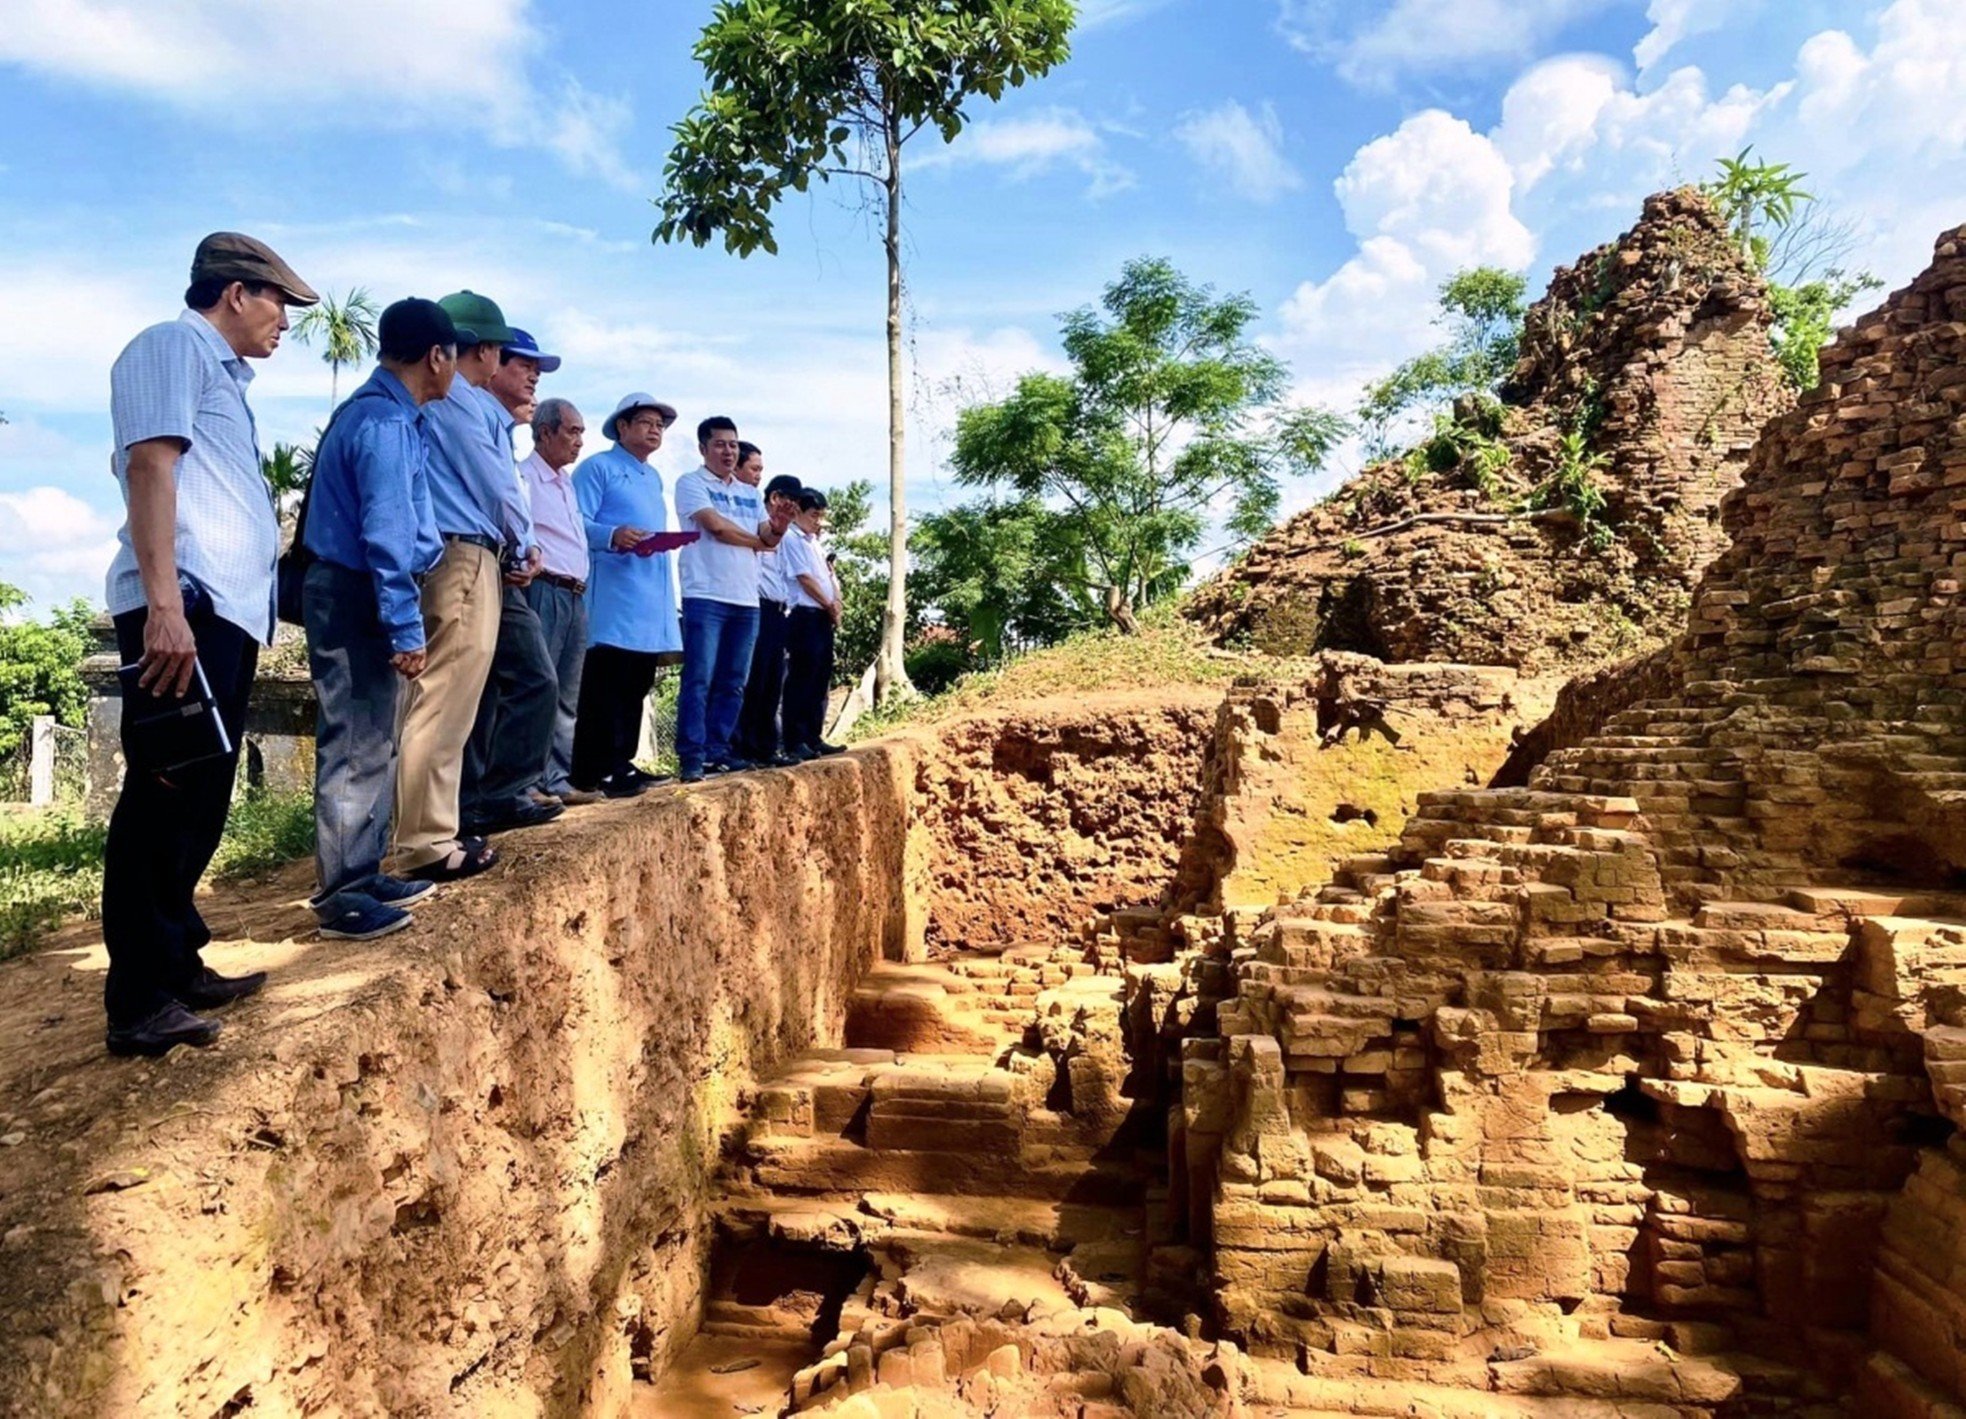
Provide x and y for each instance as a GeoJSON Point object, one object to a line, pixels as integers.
{"type": "Point", "coordinates": [1676, 20]}
{"type": "Point", "coordinates": [364, 61]}
{"type": "Point", "coordinates": [1034, 143]}
{"type": "Point", "coordinates": [1243, 148]}
{"type": "Point", "coordinates": [1419, 37]}
{"type": "Point", "coordinates": [61, 545]}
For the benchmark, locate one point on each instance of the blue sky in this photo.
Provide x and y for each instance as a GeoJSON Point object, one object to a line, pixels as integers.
{"type": "Point", "coordinates": [1335, 158]}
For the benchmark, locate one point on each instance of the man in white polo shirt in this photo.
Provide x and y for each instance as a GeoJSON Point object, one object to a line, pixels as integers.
{"type": "Point", "coordinates": [720, 599]}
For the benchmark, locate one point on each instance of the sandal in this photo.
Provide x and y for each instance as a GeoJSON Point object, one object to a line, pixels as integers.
{"type": "Point", "coordinates": [470, 857]}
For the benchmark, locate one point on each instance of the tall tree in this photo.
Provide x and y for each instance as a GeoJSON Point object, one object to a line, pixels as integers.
{"type": "Point", "coordinates": [1481, 309]}
{"type": "Point", "coordinates": [345, 331]}
{"type": "Point", "coordinates": [800, 89]}
{"type": "Point", "coordinates": [1171, 418]}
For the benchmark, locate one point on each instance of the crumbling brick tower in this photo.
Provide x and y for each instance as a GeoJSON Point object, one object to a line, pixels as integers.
{"type": "Point", "coordinates": [1638, 1053]}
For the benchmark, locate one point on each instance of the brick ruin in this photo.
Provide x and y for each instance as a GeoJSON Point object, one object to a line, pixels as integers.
{"type": "Point", "coordinates": [1627, 1091]}
{"type": "Point", "coordinates": [1654, 350]}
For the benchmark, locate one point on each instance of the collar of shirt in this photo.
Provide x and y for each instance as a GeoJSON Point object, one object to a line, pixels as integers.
{"type": "Point", "coordinates": [383, 380]}
{"type": "Point", "coordinates": [234, 362]}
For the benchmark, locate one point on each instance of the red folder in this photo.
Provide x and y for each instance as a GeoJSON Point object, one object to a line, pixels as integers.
{"type": "Point", "coordinates": [663, 542]}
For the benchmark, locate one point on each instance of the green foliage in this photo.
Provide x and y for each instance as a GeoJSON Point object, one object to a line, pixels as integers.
{"type": "Point", "coordinates": [1001, 572]}
{"type": "Point", "coordinates": [41, 666]}
{"type": "Point", "coordinates": [345, 331]}
{"type": "Point", "coordinates": [800, 89]}
{"type": "Point", "coordinates": [934, 665]}
{"type": "Point", "coordinates": [1574, 484]}
{"type": "Point", "coordinates": [1754, 197]}
{"type": "Point", "coordinates": [265, 830]}
{"type": "Point", "coordinates": [1774, 219]}
{"type": "Point", "coordinates": [1351, 549]}
{"type": "Point", "coordinates": [1171, 416]}
{"type": "Point", "coordinates": [861, 562]}
{"type": "Point", "coordinates": [1474, 456]}
{"type": "Point", "coordinates": [50, 867]}
{"type": "Point", "coordinates": [1482, 309]}
{"type": "Point", "coordinates": [1805, 319]}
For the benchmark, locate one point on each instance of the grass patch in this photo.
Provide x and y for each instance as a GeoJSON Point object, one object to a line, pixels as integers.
{"type": "Point", "coordinates": [51, 861]}
{"type": "Point", "coordinates": [266, 830]}
{"type": "Point", "coordinates": [1169, 651]}
{"type": "Point", "coordinates": [50, 868]}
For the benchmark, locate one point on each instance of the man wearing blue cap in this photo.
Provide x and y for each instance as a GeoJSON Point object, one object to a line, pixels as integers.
{"type": "Point", "coordinates": [513, 733]}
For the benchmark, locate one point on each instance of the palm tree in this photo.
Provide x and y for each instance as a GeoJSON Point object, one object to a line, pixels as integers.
{"type": "Point", "coordinates": [346, 330]}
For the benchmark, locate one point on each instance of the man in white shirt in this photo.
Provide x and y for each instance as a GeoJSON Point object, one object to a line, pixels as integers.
{"type": "Point", "coordinates": [720, 599]}
{"type": "Point", "coordinates": [757, 723]}
{"type": "Point", "coordinates": [809, 630]}
{"type": "Point", "coordinates": [558, 593]}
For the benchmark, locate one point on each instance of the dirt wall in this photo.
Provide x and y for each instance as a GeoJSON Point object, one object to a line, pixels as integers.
{"type": "Point", "coordinates": [458, 1171]}
{"type": "Point", "coordinates": [1036, 819]}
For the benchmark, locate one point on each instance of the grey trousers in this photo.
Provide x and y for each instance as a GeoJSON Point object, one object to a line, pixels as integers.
{"type": "Point", "coordinates": [563, 626]}
{"type": "Point", "coordinates": [356, 691]}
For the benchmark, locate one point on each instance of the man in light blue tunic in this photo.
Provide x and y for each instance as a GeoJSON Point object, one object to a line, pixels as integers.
{"type": "Point", "coordinates": [633, 625]}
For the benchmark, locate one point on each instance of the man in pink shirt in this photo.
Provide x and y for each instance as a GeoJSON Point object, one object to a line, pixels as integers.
{"type": "Point", "coordinates": [558, 592]}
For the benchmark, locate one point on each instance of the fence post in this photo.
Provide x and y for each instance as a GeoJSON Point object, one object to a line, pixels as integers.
{"type": "Point", "coordinates": [41, 761]}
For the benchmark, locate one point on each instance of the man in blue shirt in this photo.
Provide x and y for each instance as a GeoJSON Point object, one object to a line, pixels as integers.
{"type": "Point", "coordinates": [191, 590]}
{"type": "Point", "coordinates": [475, 494]}
{"type": "Point", "coordinates": [632, 627]}
{"type": "Point", "coordinates": [369, 522]}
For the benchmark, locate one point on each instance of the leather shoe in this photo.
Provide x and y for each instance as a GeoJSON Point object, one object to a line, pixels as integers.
{"type": "Point", "coordinates": [520, 815]}
{"type": "Point", "coordinates": [162, 1032]}
{"type": "Point", "coordinates": [211, 989]}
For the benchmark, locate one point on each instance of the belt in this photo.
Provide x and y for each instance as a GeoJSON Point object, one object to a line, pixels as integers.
{"type": "Point", "coordinates": [565, 583]}
{"type": "Point", "coordinates": [474, 539]}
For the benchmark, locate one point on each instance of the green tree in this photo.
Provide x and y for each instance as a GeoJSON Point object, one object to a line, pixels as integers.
{"type": "Point", "coordinates": [345, 330]}
{"type": "Point", "coordinates": [1788, 236]}
{"type": "Point", "coordinates": [41, 666]}
{"type": "Point", "coordinates": [861, 563]}
{"type": "Point", "coordinates": [1482, 309]}
{"type": "Point", "coordinates": [1171, 417]}
{"type": "Point", "coordinates": [803, 89]}
{"type": "Point", "coordinates": [1755, 197]}
{"type": "Point", "coordinates": [286, 470]}
{"type": "Point", "coordinates": [1000, 573]}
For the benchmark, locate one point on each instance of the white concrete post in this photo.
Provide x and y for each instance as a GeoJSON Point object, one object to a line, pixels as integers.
{"type": "Point", "coordinates": [41, 761]}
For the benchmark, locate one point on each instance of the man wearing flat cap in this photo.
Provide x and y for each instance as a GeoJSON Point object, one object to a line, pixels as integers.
{"type": "Point", "coordinates": [632, 626]}
{"type": "Point", "coordinates": [191, 590]}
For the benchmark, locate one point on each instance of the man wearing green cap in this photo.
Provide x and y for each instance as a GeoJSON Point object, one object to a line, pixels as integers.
{"type": "Point", "coordinates": [480, 512]}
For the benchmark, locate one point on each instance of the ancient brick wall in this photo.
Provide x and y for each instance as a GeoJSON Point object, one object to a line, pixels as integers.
{"type": "Point", "coordinates": [1648, 1049]}
{"type": "Point", "coordinates": [1654, 349]}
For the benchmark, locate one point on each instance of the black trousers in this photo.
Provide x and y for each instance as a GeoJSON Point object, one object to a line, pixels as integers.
{"type": "Point", "coordinates": [516, 712]}
{"type": "Point", "coordinates": [614, 685]}
{"type": "Point", "coordinates": [165, 829]}
{"type": "Point", "coordinates": [808, 675]}
{"type": "Point", "coordinates": [757, 722]}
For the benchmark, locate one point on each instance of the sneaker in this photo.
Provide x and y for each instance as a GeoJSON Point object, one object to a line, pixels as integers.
{"type": "Point", "coordinates": [622, 786]}
{"type": "Point", "coordinates": [168, 1028]}
{"type": "Point", "coordinates": [690, 773]}
{"type": "Point", "coordinates": [400, 892]}
{"type": "Point", "coordinates": [799, 754]}
{"type": "Point", "coordinates": [365, 922]}
{"type": "Point", "coordinates": [643, 776]}
{"type": "Point", "coordinates": [825, 750]}
{"type": "Point", "coordinates": [730, 766]}
{"type": "Point", "coordinates": [784, 759]}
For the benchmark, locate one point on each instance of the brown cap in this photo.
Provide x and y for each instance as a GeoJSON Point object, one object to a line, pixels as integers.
{"type": "Point", "coordinates": [231, 256]}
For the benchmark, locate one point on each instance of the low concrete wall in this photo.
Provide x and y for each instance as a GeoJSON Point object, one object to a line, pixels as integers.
{"type": "Point", "coordinates": [460, 1170]}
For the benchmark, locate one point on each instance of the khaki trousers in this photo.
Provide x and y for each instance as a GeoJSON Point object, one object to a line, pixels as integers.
{"type": "Point", "coordinates": [460, 628]}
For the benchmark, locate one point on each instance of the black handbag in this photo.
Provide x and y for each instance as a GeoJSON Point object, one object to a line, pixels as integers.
{"type": "Point", "coordinates": [290, 572]}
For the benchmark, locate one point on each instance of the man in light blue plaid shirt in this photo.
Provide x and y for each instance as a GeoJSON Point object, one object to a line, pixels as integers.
{"type": "Point", "coordinates": [191, 589]}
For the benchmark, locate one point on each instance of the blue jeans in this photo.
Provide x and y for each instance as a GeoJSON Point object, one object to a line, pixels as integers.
{"type": "Point", "coordinates": [563, 623]}
{"type": "Point", "coordinates": [717, 642]}
{"type": "Point", "coordinates": [355, 689]}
